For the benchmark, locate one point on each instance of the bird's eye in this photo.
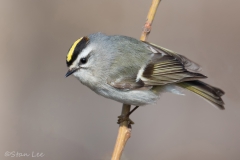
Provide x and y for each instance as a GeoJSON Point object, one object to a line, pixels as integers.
{"type": "Point", "coordinates": [83, 60]}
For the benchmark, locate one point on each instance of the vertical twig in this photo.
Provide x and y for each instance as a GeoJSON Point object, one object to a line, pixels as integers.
{"type": "Point", "coordinates": [148, 24]}
{"type": "Point", "coordinates": [124, 131]}
{"type": "Point", "coordinates": [124, 134]}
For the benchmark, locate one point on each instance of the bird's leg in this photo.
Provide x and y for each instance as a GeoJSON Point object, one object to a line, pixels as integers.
{"type": "Point", "coordinates": [123, 118]}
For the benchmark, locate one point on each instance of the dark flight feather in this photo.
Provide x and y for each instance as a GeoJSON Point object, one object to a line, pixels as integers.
{"type": "Point", "coordinates": [167, 67]}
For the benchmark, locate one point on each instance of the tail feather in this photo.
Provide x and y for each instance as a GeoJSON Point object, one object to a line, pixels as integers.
{"type": "Point", "coordinates": [208, 92]}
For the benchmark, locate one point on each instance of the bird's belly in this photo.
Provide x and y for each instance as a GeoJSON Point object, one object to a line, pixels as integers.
{"type": "Point", "coordinates": [132, 97]}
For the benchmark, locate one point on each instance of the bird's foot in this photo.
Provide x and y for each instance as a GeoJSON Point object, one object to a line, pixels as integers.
{"type": "Point", "coordinates": [123, 118]}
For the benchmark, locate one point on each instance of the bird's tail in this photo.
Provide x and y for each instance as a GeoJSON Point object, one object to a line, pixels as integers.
{"type": "Point", "coordinates": [208, 92]}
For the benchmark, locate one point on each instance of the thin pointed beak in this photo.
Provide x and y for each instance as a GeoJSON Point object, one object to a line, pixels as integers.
{"type": "Point", "coordinates": [71, 71]}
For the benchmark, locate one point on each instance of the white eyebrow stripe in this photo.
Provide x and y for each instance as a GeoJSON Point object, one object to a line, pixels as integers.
{"type": "Point", "coordinates": [85, 52]}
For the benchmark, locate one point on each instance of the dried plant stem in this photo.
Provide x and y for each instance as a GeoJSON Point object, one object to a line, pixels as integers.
{"type": "Point", "coordinates": [124, 132]}
{"type": "Point", "coordinates": [149, 21]}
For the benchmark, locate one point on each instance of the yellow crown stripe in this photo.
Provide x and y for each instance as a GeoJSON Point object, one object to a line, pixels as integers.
{"type": "Point", "coordinates": [70, 53]}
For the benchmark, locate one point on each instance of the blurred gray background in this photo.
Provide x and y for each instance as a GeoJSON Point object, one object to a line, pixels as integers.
{"type": "Point", "coordinates": [42, 111]}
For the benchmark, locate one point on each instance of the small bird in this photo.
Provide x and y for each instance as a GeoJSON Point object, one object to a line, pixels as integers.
{"type": "Point", "coordinates": [135, 72]}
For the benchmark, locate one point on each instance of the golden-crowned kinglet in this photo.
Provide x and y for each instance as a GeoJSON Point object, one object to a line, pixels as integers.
{"type": "Point", "coordinates": [135, 72]}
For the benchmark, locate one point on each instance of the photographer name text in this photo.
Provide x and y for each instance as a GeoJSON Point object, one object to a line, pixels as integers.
{"type": "Point", "coordinates": [23, 154]}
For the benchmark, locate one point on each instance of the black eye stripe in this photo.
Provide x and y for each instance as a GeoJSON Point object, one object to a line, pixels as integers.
{"type": "Point", "coordinates": [77, 50]}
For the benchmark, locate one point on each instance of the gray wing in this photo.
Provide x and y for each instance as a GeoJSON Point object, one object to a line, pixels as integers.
{"type": "Point", "coordinates": [159, 66]}
{"type": "Point", "coordinates": [124, 73]}
{"type": "Point", "coordinates": [167, 67]}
